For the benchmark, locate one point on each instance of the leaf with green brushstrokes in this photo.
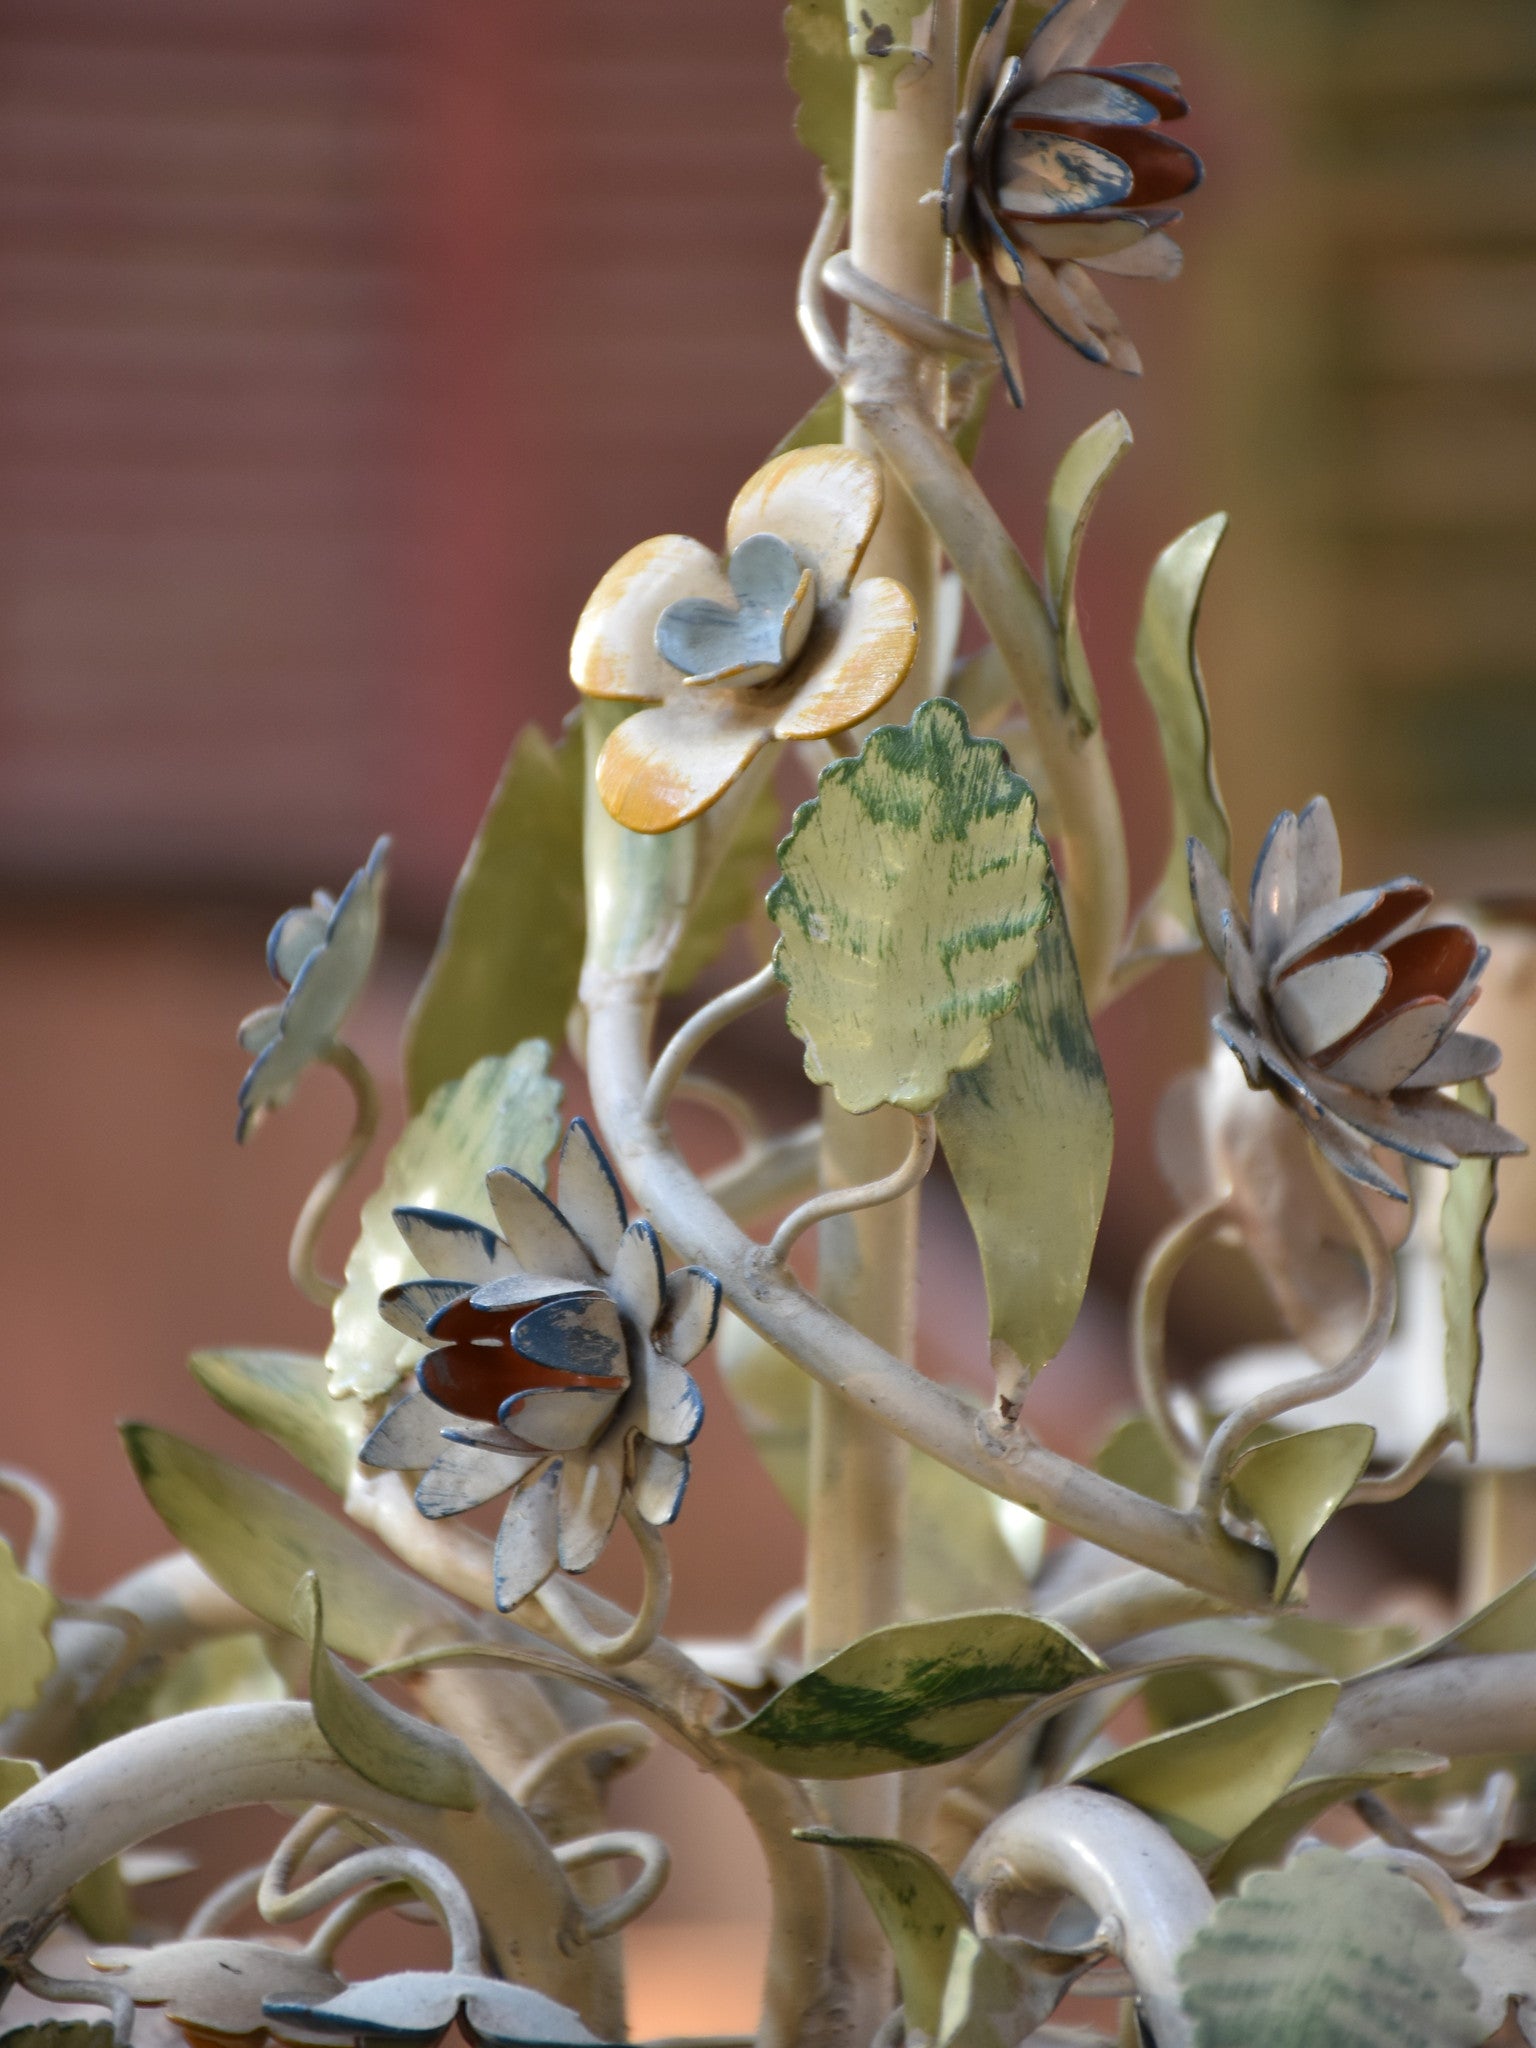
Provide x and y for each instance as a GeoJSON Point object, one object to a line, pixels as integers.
{"type": "Point", "coordinates": [284, 1394]}
{"type": "Point", "coordinates": [732, 893]}
{"type": "Point", "coordinates": [1470, 1193]}
{"type": "Point", "coordinates": [920, 1692]}
{"type": "Point", "coordinates": [1334, 1951]}
{"type": "Point", "coordinates": [224, 1671]}
{"type": "Point", "coordinates": [914, 887]}
{"type": "Point", "coordinates": [1293, 1485]}
{"type": "Point", "coordinates": [1206, 1782]}
{"type": "Point", "coordinates": [1083, 472]}
{"type": "Point", "coordinates": [1170, 675]}
{"type": "Point", "coordinates": [257, 1540]}
{"type": "Point", "coordinates": [1265, 1840]}
{"type": "Point", "coordinates": [509, 954]}
{"type": "Point", "coordinates": [956, 1555]}
{"type": "Point", "coordinates": [388, 1747]}
{"type": "Point", "coordinates": [821, 77]}
{"type": "Point", "coordinates": [1028, 1136]}
{"type": "Point", "coordinates": [26, 1646]}
{"type": "Point", "coordinates": [59, 2034]}
{"type": "Point", "coordinates": [504, 1112]}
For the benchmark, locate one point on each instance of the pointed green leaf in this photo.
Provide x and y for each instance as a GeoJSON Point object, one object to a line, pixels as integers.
{"type": "Point", "coordinates": [1507, 1623]}
{"type": "Point", "coordinates": [1134, 1455]}
{"type": "Point", "coordinates": [913, 890]}
{"type": "Point", "coordinates": [1265, 1840]}
{"type": "Point", "coordinates": [919, 1910]}
{"type": "Point", "coordinates": [101, 1906]}
{"type": "Point", "coordinates": [504, 1112]}
{"type": "Point", "coordinates": [1170, 675]}
{"type": "Point", "coordinates": [1333, 1952]}
{"type": "Point", "coordinates": [733, 892]}
{"type": "Point", "coordinates": [957, 1558]}
{"type": "Point", "coordinates": [509, 954]}
{"type": "Point", "coordinates": [821, 76]}
{"type": "Point", "coordinates": [1000, 1989]}
{"type": "Point", "coordinates": [18, 1774]}
{"type": "Point", "coordinates": [1341, 1649]}
{"type": "Point", "coordinates": [26, 1647]}
{"type": "Point", "coordinates": [1207, 1781]}
{"type": "Point", "coordinates": [381, 1743]}
{"type": "Point", "coordinates": [257, 1540]}
{"type": "Point", "coordinates": [823, 424]}
{"type": "Point", "coordinates": [1028, 1136]}
{"type": "Point", "coordinates": [1293, 1485]}
{"type": "Point", "coordinates": [917, 1693]}
{"type": "Point", "coordinates": [1074, 491]}
{"type": "Point", "coordinates": [1470, 1193]}
{"type": "Point", "coordinates": [284, 1394]}
{"type": "Point", "coordinates": [223, 1671]}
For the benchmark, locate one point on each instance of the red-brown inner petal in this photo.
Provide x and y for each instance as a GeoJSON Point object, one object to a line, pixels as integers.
{"type": "Point", "coordinates": [475, 1379]}
{"type": "Point", "coordinates": [1364, 933]}
{"type": "Point", "coordinates": [1431, 962]}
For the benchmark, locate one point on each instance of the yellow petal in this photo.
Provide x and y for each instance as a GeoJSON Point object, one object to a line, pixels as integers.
{"type": "Point", "coordinates": [663, 766]}
{"type": "Point", "coordinates": [824, 501]}
{"type": "Point", "coordinates": [614, 651]}
{"type": "Point", "coordinates": [872, 646]}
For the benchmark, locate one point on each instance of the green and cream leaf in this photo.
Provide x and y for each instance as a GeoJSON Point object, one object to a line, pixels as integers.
{"type": "Point", "coordinates": [284, 1394]}
{"type": "Point", "coordinates": [26, 1644]}
{"type": "Point", "coordinates": [1082, 474]}
{"type": "Point", "coordinates": [1293, 1485]}
{"type": "Point", "coordinates": [914, 886]}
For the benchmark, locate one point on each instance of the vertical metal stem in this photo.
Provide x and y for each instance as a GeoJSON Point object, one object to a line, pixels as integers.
{"type": "Point", "coordinates": [867, 1265]}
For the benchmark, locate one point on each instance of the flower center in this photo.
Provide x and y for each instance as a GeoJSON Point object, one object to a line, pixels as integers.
{"type": "Point", "coordinates": [757, 640]}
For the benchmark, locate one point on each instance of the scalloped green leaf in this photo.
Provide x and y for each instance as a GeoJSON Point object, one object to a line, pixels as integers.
{"type": "Point", "coordinates": [508, 957]}
{"type": "Point", "coordinates": [920, 1692]}
{"type": "Point", "coordinates": [920, 1913]}
{"type": "Point", "coordinates": [1029, 1135]}
{"type": "Point", "coordinates": [1207, 1781]}
{"type": "Point", "coordinates": [285, 1395]}
{"type": "Point", "coordinates": [1082, 474]}
{"type": "Point", "coordinates": [1293, 1485]}
{"type": "Point", "coordinates": [1170, 674]}
{"type": "Point", "coordinates": [914, 886]}
{"type": "Point", "coordinates": [257, 1540]}
{"type": "Point", "coordinates": [1470, 1194]}
{"type": "Point", "coordinates": [1265, 1840]}
{"type": "Point", "coordinates": [504, 1112]}
{"type": "Point", "coordinates": [821, 77]}
{"type": "Point", "coordinates": [26, 1646]}
{"type": "Point", "coordinates": [388, 1747]}
{"type": "Point", "coordinates": [1332, 1952]}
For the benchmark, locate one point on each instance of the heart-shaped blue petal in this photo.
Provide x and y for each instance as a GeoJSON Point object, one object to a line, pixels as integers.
{"type": "Point", "coordinates": [775, 603]}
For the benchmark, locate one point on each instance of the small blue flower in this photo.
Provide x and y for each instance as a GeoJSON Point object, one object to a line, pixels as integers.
{"type": "Point", "coordinates": [321, 953]}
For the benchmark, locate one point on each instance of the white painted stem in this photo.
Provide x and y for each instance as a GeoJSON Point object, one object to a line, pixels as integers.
{"type": "Point", "coordinates": [305, 1242]}
{"type": "Point", "coordinates": [1149, 1316]}
{"type": "Point", "coordinates": [872, 1195]}
{"type": "Point", "coordinates": [633, 1640]}
{"type": "Point", "coordinates": [1454, 1706]}
{"type": "Point", "coordinates": [1149, 1898]}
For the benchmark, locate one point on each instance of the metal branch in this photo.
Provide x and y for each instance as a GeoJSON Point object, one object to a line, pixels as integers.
{"type": "Point", "coordinates": [43, 1506]}
{"type": "Point", "coordinates": [1393, 1485]}
{"type": "Point", "coordinates": [690, 1039]}
{"type": "Point", "coordinates": [913, 323]}
{"type": "Point", "coordinates": [650, 1617]}
{"type": "Point", "coordinates": [655, 1861]}
{"type": "Point", "coordinates": [1149, 1318]}
{"type": "Point", "coordinates": [778, 1170]}
{"type": "Point", "coordinates": [304, 1243]}
{"type": "Point", "coordinates": [280, 1900]}
{"type": "Point", "coordinates": [810, 307]}
{"type": "Point", "coordinates": [843, 1201]}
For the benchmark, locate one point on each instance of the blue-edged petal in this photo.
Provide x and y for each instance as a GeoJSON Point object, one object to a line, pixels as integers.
{"type": "Point", "coordinates": [559, 1419]}
{"type": "Point", "coordinates": [1319, 858]}
{"type": "Point", "coordinates": [421, 2005]}
{"type": "Point", "coordinates": [1068, 35]}
{"type": "Point", "coordinates": [667, 1406]}
{"type": "Point", "coordinates": [1463, 1057]}
{"type": "Point", "coordinates": [411, 1306]}
{"type": "Point", "coordinates": [522, 1290]}
{"type": "Point", "coordinates": [527, 1542]}
{"type": "Point", "coordinates": [689, 1315]}
{"type": "Point", "coordinates": [578, 1333]}
{"type": "Point", "coordinates": [1044, 176]}
{"type": "Point", "coordinates": [541, 1239]}
{"type": "Point", "coordinates": [452, 1247]}
{"type": "Point", "coordinates": [591, 1487]}
{"type": "Point", "coordinates": [591, 1200]}
{"type": "Point", "coordinates": [1272, 899]}
{"type": "Point", "coordinates": [659, 1483]}
{"type": "Point", "coordinates": [409, 1437]}
{"type": "Point", "coordinates": [1088, 96]}
{"type": "Point", "coordinates": [638, 1281]}
{"type": "Point", "coordinates": [296, 935]}
{"type": "Point", "coordinates": [464, 1476]}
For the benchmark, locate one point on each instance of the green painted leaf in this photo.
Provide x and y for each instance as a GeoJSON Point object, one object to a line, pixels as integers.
{"type": "Point", "coordinates": [1206, 1782]}
{"type": "Point", "coordinates": [913, 890]}
{"type": "Point", "coordinates": [1333, 1952]}
{"type": "Point", "coordinates": [509, 954]}
{"type": "Point", "coordinates": [733, 892]}
{"type": "Point", "coordinates": [504, 1112]}
{"type": "Point", "coordinates": [257, 1540]}
{"type": "Point", "coordinates": [1265, 1840]}
{"type": "Point", "coordinates": [823, 424]}
{"type": "Point", "coordinates": [1470, 1193]}
{"type": "Point", "coordinates": [821, 76]}
{"type": "Point", "coordinates": [18, 1774]}
{"type": "Point", "coordinates": [1000, 1989]}
{"type": "Point", "coordinates": [957, 1557]}
{"type": "Point", "coordinates": [101, 1905]}
{"type": "Point", "coordinates": [59, 2034]}
{"type": "Point", "coordinates": [224, 1671]}
{"type": "Point", "coordinates": [1134, 1455]}
{"type": "Point", "coordinates": [284, 1394]}
{"type": "Point", "coordinates": [1028, 1136]}
{"type": "Point", "coordinates": [26, 1647]}
{"type": "Point", "coordinates": [919, 1910]}
{"type": "Point", "coordinates": [1507, 1623]}
{"type": "Point", "coordinates": [1342, 1649]}
{"type": "Point", "coordinates": [917, 1693]}
{"type": "Point", "coordinates": [1083, 472]}
{"type": "Point", "coordinates": [381, 1743]}
{"type": "Point", "coordinates": [1293, 1485]}
{"type": "Point", "coordinates": [1170, 675]}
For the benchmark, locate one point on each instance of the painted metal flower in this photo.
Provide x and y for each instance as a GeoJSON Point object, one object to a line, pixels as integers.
{"type": "Point", "coordinates": [773, 643]}
{"type": "Point", "coordinates": [321, 953]}
{"type": "Point", "coordinates": [212, 1991]}
{"type": "Point", "coordinates": [1059, 168]}
{"type": "Point", "coordinates": [421, 2005]}
{"type": "Point", "coordinates": [558, 1367]}
{"type": "Point", "coordinates": [1347, 1007]}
